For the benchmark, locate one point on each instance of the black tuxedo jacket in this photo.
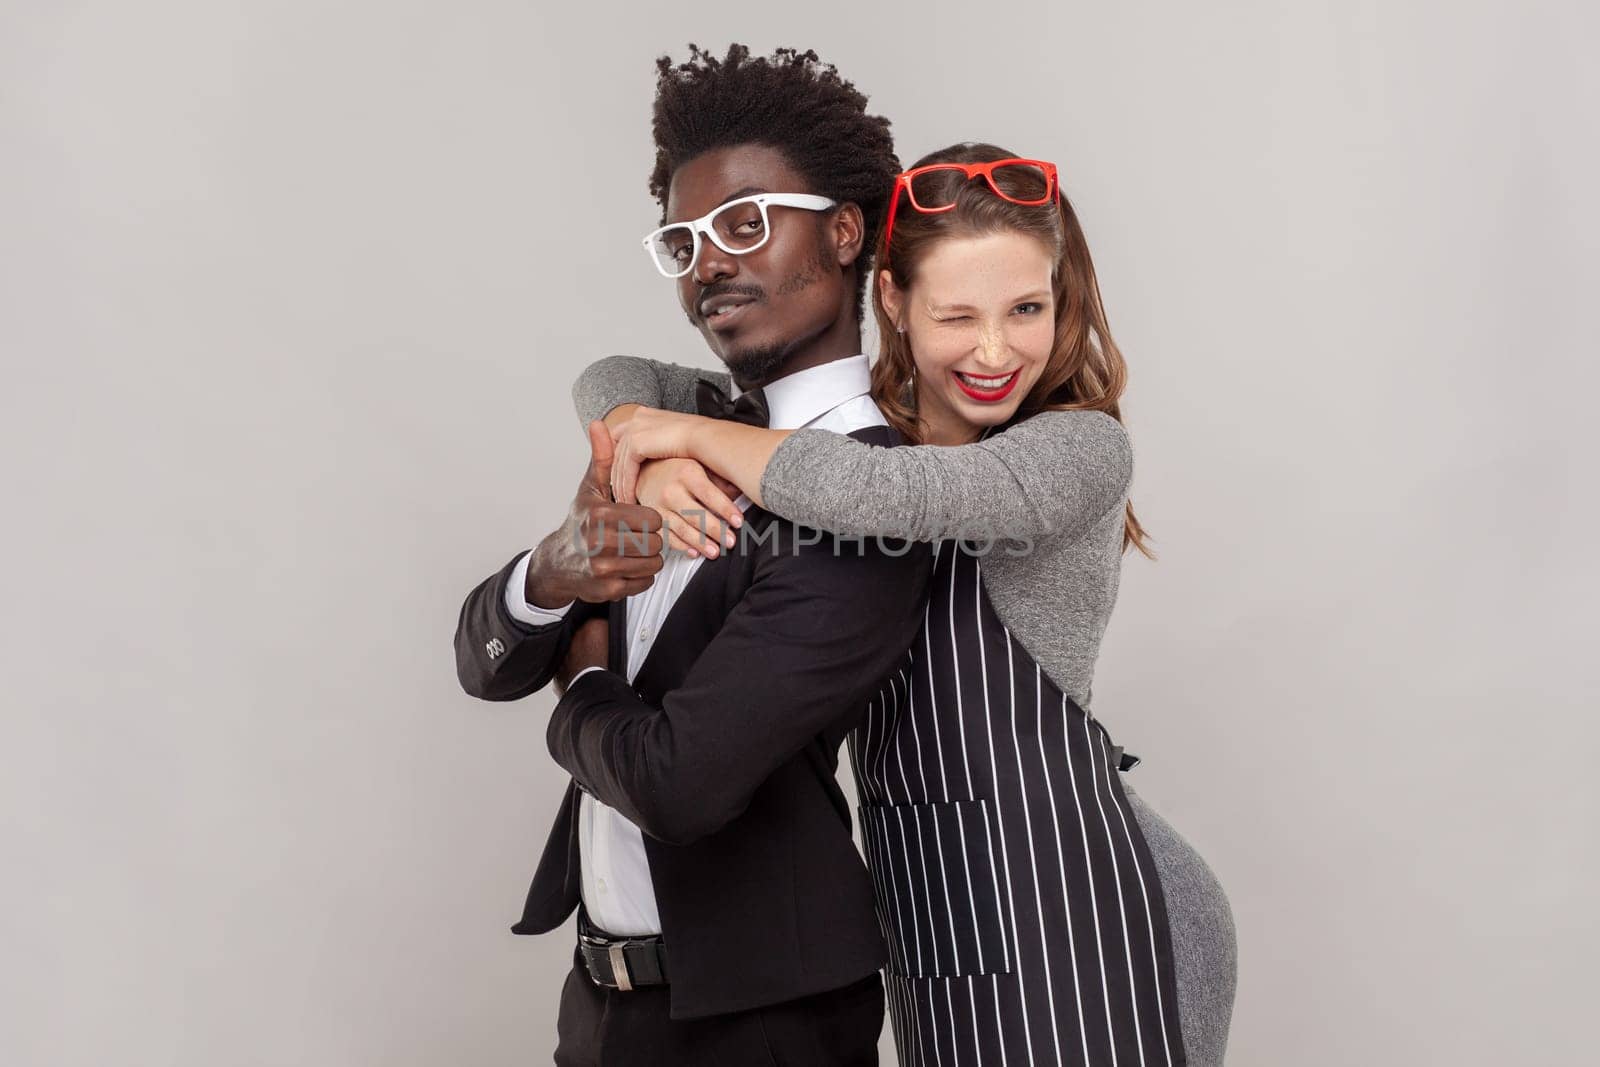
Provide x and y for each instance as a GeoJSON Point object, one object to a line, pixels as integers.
{"type": "Point", "coordinates": [723, 751]}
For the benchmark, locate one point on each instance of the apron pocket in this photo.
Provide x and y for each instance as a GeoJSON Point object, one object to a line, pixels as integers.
{"type": "Point", "coordinates": [939, 887]}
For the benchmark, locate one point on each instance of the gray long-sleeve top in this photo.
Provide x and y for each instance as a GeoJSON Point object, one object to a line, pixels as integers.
{"type": "Point", "coordinates": [1049, 489]}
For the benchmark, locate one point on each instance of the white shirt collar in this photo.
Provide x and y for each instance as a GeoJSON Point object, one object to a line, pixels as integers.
{"type": "Point", "coordinates": [805, 396]}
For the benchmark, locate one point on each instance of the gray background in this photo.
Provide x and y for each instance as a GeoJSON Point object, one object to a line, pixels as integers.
{"type": "Point", "coordinates": [292, 296]}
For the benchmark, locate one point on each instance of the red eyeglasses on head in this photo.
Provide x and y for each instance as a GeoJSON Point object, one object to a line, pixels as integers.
{"type": "Point", "coordinates": [933, 189]}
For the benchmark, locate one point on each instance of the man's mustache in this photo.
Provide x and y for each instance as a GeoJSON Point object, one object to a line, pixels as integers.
{"type": "Point", "coordinates": [755, 294]}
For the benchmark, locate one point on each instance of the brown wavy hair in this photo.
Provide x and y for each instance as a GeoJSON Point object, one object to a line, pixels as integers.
{"type": "Point", "coordinates": [1085, 371]}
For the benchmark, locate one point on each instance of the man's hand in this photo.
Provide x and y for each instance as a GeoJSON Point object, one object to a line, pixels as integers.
{"type": "Point", "coordinates": [591, 646]}
{"type": "Point", "coordinates": [604, 550]}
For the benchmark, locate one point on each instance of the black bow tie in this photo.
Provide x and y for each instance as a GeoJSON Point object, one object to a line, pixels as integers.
{"type": "Point", "coordinates": [712, 402]}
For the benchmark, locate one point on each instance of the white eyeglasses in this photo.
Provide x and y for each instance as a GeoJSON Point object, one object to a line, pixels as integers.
{"type": "Point", "coordinates": [737, 227]}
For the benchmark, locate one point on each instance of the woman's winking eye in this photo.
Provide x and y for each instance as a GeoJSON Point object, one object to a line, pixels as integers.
{"type": "Point", "coordinates": [1027, 307]}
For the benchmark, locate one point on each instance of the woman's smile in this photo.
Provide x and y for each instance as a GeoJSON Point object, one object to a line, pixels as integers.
{"type": "Point", "coordinates": [987, 388]}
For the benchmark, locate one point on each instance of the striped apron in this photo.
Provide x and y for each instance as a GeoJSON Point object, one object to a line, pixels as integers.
{"type": "Point", "coordinates": [1020, 902]}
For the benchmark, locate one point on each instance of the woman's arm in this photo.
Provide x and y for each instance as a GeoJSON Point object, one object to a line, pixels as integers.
{"type": "Point", "coordinates": [695, 508]}
{"type": "Point", "coordinates": [1055, 473]}
{"type": "Point", "coordinates": [732, 450]}
{"type": "Point", "coordinates": [609, 383]}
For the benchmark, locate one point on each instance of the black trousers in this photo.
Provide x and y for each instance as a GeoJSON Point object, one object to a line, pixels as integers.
{"type": "Point", "coordinates": [601, 1027]}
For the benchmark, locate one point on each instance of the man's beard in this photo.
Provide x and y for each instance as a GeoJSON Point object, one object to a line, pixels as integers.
{"type": "Point", "coordinates": [752, 366]}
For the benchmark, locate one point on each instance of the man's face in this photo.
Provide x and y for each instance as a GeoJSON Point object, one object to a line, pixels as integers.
{"type": "Point", "coordinates": [776, 298]}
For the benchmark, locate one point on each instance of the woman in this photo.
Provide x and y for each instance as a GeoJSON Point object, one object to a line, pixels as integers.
{"type": "Point", "coordinates": [1037, 910]}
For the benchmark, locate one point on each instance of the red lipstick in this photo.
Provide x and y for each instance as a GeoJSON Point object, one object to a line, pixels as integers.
{"type": "Point", "coordinates": [989, 396]}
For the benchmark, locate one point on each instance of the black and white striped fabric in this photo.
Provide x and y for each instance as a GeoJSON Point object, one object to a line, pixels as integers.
{"type": "Point", "coordinates": [1023, 913]}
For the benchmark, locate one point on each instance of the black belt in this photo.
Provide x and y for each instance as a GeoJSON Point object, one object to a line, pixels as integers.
{"type": "Point", "coordinates": [621, 963]}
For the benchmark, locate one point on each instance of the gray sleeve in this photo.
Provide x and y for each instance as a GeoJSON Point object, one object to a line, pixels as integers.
{"type": "Point", "coordinates": [1054, 473]}
{"type": "Point", "coordinates": [616, 380]}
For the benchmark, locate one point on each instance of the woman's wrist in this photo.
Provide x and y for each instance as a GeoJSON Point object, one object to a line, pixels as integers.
{"type": "Point", "coordinates": [737, 452]}
{"type": "Point", "coordinates": [727, 442]}
{"type": "Point", "coordinates": [708, 440]}
{"type": "Point", "coordinates": [618, 416]}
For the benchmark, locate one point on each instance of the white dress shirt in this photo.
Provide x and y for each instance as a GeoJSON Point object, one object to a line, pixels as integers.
{"type": "Point", "coordinates": [617, 890]}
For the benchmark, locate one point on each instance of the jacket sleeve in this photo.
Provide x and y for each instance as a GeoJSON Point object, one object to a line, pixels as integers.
{"type": "Point", "coordinates": [502, 658]}
{"type": "Point", "coordinates": [805, 649]}
{"type": "Point", "coordinates": [616, 380]}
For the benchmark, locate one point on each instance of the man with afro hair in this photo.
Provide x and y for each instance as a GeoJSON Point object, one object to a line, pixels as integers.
{"type": "Point", "coordinates": [724, 914]}
{"type": "Point", "coordinates": [793, 102]}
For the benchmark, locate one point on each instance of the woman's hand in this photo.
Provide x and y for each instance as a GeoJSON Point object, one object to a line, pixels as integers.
{"type": "Point", "coordinates": [696, 507]}
{"type": "Point", "coordinates": [649, 434]}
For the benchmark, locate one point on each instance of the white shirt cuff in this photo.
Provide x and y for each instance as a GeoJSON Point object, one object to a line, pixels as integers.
{"type": "Point", "coordinates": [517, 602]}
{"type": "Point", "coordinates": [581, 673]}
